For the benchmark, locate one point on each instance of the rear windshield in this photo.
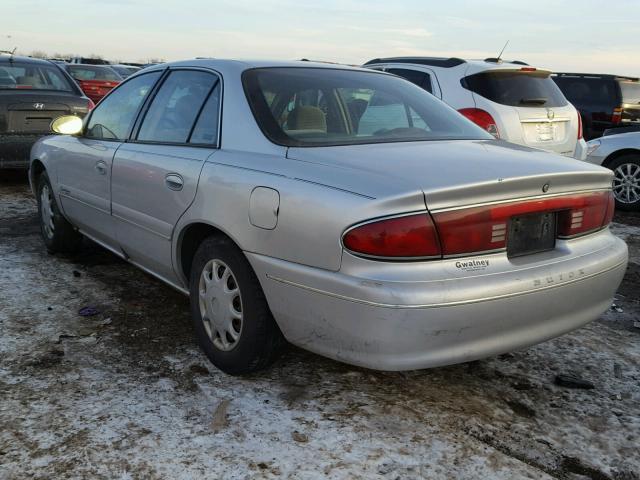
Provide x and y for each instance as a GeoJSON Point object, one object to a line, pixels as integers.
{"type": "Point", "coordinates": [587, 90]}
{"type": "Point", "coordinates": [33, 77]}
{"type": "Point", "coordinates": [630, 92]}
{"type": "Point", "coordinates": [516, 88]}
{"type": "Point", "coordinates": [90, 72]}
{"type": "Point", "coordinates": [322, 107]}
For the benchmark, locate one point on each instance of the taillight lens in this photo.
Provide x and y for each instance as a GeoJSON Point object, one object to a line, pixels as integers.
{"type": "Point", "coordinates": [579, 126]}
{"type": "Point", "coordinates": [483, 229]}
{"type": "Point", "coordinates": [90, 105]}
{"type": "Point", "coordinates": [482, 119]}
{"type": "Point", "coordinates": [476, 229]}
{"type": "Point", "coordinates": [616, 116]}
{"type": "Point", "coordinates": [409, 236]}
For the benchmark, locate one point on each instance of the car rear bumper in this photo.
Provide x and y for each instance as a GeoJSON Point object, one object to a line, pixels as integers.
{"type": "Point", "coordinates": [15, 149]}
{"type": "Point", "coordinates": [390, 320]}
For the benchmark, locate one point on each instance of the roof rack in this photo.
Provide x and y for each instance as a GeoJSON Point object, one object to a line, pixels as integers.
{"type": "Point", "coordinates": [433, 61]}
{"type": "Point", "coordinates": [601, 75]}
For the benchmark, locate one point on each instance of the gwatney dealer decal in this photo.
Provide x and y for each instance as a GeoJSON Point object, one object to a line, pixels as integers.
{"type": "Point", "coordinates": [472, 265]}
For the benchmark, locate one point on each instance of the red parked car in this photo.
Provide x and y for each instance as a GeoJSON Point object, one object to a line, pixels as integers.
{"type": "Point", "coordinates": [94, 80]}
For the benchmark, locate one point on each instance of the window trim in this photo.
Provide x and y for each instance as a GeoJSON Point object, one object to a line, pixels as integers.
{"type": "Point", "coordinates": [133, 136]}
{"type": "Point", "coordinates": [83, 133]}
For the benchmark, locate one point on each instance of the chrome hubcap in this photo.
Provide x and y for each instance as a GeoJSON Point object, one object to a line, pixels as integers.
{"type": "Point", "coordinates": [220, 305]}
{"type": "Point", "coordinates": [626, 183]}
{"type": "Point", "coordinates": [46, 211]}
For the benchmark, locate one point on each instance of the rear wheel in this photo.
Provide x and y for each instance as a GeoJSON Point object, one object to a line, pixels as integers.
{"type": "Point", "coordinates": [232, 320]}
{"type": "Point", "coordinates": [58, 234]}
{"type": "Point", "coordinates": [626, 182]}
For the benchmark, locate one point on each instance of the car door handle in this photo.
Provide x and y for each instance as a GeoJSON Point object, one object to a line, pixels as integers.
{"type": "Point", "coordinates": [101, 167]}
{"type": "Point", "coordinates": [174, 181]}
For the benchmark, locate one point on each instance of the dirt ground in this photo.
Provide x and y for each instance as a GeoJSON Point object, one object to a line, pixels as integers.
{"type": "Point", "coordinates": [127, 394]}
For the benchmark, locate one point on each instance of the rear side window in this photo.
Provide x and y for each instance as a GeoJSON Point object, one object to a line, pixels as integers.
{"type": "Point", "coordinates": [423, 80]}
{"type": "Point", "coordinates": [176, 106]}
{"type": "Point", "coordinates": [587, 91]}
{"type": "Point", "coordinates": [114, 115]}
{"type": "Point", "coordinates": [516, 88]}
{"type": "Point", "coordinates": [630, 92]}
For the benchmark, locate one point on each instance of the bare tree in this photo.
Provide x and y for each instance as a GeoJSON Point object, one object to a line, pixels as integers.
{"type": "Point", "coordinates": [38, 54]}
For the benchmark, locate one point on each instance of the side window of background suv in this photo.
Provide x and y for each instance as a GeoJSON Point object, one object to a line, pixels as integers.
{"type": "Point", "coordinates": [176, 106]}
{"type": "Point", "coordinates": [421, 79]}
{"type": "Point", "coordinates": [113, 117]}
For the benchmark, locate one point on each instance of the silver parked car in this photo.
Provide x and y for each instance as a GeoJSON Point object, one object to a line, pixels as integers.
{"type": "Point", "coordinates": [344, 210]}
{"type": "Point", "coordinates": [620, 153]}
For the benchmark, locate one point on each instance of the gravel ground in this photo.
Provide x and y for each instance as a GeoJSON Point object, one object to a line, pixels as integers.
{"type": "Point", "coordinates": [127, 394]}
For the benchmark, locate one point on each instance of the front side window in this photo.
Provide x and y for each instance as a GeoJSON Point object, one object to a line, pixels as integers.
{"type": "Point", "coordinates": [176, 106]}
{"type": "Point", "coordinates": [114, 116]}
{"type": "Point", "coordinates": [516, 88]}
{"type": "Point", "coordinates": [323, 106]}
{"type": "Point", "coordinates": [25, 76]}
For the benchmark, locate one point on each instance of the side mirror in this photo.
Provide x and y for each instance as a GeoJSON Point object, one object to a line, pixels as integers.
{"type": "Point", "coordinates": [67, 125]}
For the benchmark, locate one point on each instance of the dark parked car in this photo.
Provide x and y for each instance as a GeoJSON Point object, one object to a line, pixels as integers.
{"type": "Point", "coordinates": [604, 101]}
{"type": "Point", "coordinates": [94, 80]}
{"type": "Point", "coordinates": [32, 94]}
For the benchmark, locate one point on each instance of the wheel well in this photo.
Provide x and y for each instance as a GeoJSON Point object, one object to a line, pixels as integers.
{"type": "Point", "coordinates": [619, 153]}
{"type": "Point", "coordinates": [37, 167]}
{"type": "Point", "coordinates": [191, 238]}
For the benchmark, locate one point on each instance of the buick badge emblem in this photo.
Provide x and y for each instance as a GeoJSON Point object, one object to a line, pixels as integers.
{"type": "Point", "coordinates": [38, 106]}
{"type": "Point", "coordinates": [545, 188]}
{"type": "Point", "coordinates": [550, 114]}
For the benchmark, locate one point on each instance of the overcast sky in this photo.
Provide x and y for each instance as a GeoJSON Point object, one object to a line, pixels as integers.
{"type": "Point", "coordinates": [576, 35]}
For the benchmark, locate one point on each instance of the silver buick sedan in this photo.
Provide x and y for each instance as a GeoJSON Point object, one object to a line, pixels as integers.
{"type": "Point", "coordinates": [344, 210]}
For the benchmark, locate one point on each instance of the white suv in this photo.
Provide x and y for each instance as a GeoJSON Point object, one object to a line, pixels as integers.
{"type": "Point", "coordinates": [511, 100]}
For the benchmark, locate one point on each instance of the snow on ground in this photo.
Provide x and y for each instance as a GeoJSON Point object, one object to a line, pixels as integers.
{"type": "Point", "coordinates": [127, 394]}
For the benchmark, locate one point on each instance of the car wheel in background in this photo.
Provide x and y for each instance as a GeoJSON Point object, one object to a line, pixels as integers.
{"type": "Point", "coordinates": [58, 234]}
{"type": "Point", "coordinates": [232, 320]}
{"type": "Point", "coordinates": [626, 181]}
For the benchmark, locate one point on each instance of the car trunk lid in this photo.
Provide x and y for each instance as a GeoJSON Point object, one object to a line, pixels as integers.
{"type": "Point", "coordinates": [96, 89]}
{"type": "Point", "coordinates": [33, 111]}
{"type": "Point", "coordinates": [455, 173]}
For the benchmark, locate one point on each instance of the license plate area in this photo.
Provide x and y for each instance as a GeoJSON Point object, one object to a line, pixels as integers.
{"type": "Point", "coordinates": [532, 233]}
{"type": "Point", "coordinates": [545, 132]}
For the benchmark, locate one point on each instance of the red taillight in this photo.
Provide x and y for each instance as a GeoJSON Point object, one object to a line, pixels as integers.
{"type": "Point", "coordinates": [579, 126]}
{"type": "Point", "coordinates": [616, 116]}
{"type": "Point", "coordinates": [409, 236]}
{"type": "Point", "coordinates": [482, 119]}
{"type": "Point", "coordinates": [90, 105]}
{"type": "Point", "coordinates": [475, 229]}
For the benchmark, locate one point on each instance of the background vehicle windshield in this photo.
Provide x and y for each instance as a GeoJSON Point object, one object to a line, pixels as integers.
{"type": "Point", "coordinates": [89, 72]}
{"type": "Point", "coordinates": [321, 107]}
{"type": "Point", "coordinates": [630, 92]}
{"type": "Point", "coordinates": [33, 77]}
{"type": "Point", "coordinates": [516, 88]}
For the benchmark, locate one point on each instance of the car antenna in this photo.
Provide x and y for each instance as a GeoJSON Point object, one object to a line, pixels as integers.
{"type": "Point", "coordinates": [499, 59]}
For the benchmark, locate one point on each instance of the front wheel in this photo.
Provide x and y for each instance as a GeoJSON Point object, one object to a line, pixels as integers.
{"type": "Point", "coordinates": [232, 320]}
{"type": "Point", "coordinates": [58, 234]}
{"type": "Point", "coordinates": [626, 182]}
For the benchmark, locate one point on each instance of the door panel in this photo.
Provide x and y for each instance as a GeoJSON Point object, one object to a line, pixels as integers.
{"type": "Point", "coordinates": [84, 176]}
{"type": "Point", "coordinates": [146, 202]}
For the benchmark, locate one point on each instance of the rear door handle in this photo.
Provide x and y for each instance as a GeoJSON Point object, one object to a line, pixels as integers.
{"type": "Point", "coordinates": [174, 181]}
{"type": "Point", "coordinates": [101, 167]}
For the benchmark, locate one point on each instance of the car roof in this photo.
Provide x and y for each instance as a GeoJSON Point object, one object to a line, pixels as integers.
{"type": "Point", "coordinates": [18, 58]}
{"type": "Point", "coordinates": [598, 75]}
{"type": "Point", "coordinates": [470, 66]}
{"type": "Point", "coordinates": [246, 64]}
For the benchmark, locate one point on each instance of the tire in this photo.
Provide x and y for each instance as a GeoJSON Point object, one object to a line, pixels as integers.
{"type": "Point", "coordinates": [626, 181]}
{"type": "Point", "coordinates": [219, 263]}
{"type": "Point", "coordinates": [58, 234]}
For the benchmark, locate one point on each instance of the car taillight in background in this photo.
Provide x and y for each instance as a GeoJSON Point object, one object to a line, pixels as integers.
{"type": "Point", "coordinates": [616, 116]}
{"type": "Point", "coordinates": [409, 236]}
{"type": "Point", "coordinates": [474, 229]}
{"type": "Point", "coordinates": [579, 126]}
{"type": "Point", "coordinates": [482, 119]}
